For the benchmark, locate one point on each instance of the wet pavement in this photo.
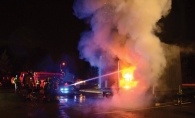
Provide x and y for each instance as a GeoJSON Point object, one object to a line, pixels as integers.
{"type": "Point", "coordinates": [13, 105]}
{"type": "Point", "coordinates": [84, 105]}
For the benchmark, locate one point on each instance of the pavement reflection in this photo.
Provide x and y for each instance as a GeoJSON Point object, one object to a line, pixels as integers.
{"type": "Point", "coordinates": [66, 102]}
{"type": "Point", "coordinates": [83, 105]}
{"type": "Point", "coordinates": [76, 99]}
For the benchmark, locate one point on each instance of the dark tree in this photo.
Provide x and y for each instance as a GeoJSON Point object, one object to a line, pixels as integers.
{"type": "Point", "coordinates": [5, 65]}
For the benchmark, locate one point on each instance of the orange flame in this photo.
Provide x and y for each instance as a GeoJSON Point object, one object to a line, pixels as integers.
{"type": "Point", "coordinates": [127, 81]}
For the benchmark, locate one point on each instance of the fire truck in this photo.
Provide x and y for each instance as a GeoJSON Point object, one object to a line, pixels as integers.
{"type": "Point", "coordinates": [42, 76]}
{"type": "Point", "coordinates": [45, 75]}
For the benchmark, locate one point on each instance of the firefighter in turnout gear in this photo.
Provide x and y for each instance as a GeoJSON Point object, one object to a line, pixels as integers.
{"type": "Point", "coordinates": [17, 83]}
{"type": "Point", "coordinates": [28, 82]}
{"type": "Point", "coordinates": [49, 90]}
{"type": "Point", "coordinates": [38, 83]}
{"type": "Point", "coordinates": [46, 89]}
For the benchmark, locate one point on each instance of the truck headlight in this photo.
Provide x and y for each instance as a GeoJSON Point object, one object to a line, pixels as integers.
{"type": "Point", "coordinates": [64, 90]}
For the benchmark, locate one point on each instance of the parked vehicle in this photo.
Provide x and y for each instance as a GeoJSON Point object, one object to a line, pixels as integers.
{"type": "Point", "coordinates": [67, 88]}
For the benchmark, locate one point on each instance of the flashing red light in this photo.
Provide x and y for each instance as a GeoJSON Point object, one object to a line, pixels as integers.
{"type": "Point", "coordinates": [63, 63]}
{"type": "Point", "coordinates": [66, 84]}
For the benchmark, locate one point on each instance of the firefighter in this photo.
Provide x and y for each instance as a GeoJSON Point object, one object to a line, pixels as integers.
{"type": "Point", "coordinates": [179, 97]}
{"type": "Point", "coordinates": [53, 88]}
{"type": "Point", "coordinates": [49, 90]}
{"type": "Point", "coordinates": [38, 83]}
{"type": "Point", "coordinates": [55, 83]}
{"type": "Point", "coordinates": [17, 83]}
{"type": "Point", "coordinates": [28, 82]}
{"type": "Point", "coordinates": [48, 93]}
{"type": "Point", "coordinates": [46, 88]}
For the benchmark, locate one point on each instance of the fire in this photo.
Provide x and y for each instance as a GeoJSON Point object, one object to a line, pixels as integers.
{"type": "Point", "coordinates": [127, 81]}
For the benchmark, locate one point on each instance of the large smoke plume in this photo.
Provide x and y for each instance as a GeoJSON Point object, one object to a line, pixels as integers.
{"type": "Point", "coordinates": [124, 29]}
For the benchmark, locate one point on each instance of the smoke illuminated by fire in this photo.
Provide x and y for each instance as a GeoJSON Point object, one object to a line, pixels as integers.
{"type": "Point", "coordinates": [124, 29]}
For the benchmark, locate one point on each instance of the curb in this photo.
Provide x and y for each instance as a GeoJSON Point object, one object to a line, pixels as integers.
{"type": "Point", "coordinates": [90, 91]}
{"type": "Point", "coordinates": [163, 104]}
{"type": "Point", "coordinates": [170, 103]}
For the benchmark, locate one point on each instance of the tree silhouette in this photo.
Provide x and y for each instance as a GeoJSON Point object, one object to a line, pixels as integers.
{"type": "Point", "coordinates": [5, 65]}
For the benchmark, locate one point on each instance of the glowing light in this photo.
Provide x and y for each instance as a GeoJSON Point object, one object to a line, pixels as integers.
{"type": "Point", "coordinates": [127, 81]}
{"type": "Point", "coordinates": [128, 76]}
{"type": "Point", "coordinates": [12, 81]}
{"type": "Point", "coordinates": [126, 87]}
{"type": "Point", "coordinates": [63, 99]}
{"type": "Point", "coordinates": [63, 63]}
{"type": "Point", "coordinates": [64, 90]}
{"type": "Point", "coordinates": [81, 99]}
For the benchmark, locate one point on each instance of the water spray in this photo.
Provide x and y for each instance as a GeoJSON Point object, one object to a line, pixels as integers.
{"type": "Point", "coordinates": [90, 79]}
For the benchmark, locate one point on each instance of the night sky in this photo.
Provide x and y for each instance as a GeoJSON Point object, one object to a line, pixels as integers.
{"type": "Point", "coordinates": [52, 27]}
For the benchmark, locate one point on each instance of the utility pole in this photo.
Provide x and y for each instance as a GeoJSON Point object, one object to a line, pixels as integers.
{"type": "Point", "coordinates": [100, 73]}
{"type": "Point", "coordinates": [118, 81]}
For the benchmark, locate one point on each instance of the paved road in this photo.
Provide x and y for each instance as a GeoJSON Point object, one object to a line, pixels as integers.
{"type": "Point", "coordinates": [83, 106]}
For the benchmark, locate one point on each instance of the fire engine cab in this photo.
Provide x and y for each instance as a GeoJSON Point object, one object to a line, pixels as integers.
{"type": "Point", "coordinates": [42, 76]}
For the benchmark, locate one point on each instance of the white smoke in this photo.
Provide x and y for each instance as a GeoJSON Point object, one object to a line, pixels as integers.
{"type": "Point", "coordinates": [124, 29]}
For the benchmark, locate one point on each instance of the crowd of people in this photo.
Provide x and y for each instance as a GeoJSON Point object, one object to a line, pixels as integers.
{"type": "Point", "coordinates": [29, 85]}
{"type": "Point", "coordinates": [25, 84]}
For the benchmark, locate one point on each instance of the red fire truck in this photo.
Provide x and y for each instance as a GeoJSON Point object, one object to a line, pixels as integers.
{"type": "Point", "coordinates": [42, 76]}
{"type": "Point", "coordinates": [45, 75]}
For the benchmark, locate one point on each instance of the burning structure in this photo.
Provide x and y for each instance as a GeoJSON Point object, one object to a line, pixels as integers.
{"type": "Point", "coordinates": [125, 29]}
{"type": "Point", "coordinates": [129, 91]}
{"type": "Point", "coordinates": [168, 83]}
